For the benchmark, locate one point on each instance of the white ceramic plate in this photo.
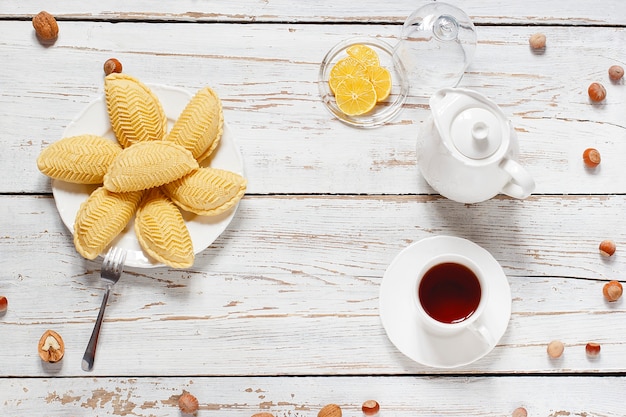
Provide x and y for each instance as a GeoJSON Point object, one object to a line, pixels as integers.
{"type": "Point", "coordinates": [94, 119]}
{"type": "Point", "coordinates": [405, 329]}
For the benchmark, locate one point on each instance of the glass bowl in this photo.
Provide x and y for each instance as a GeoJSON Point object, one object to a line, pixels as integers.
{"type": "Point", "coordinates": [385, 110]}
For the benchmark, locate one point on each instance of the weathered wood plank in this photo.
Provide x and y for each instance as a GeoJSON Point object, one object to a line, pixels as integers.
{"type": "Point", "coordinates": [531, 12]}
{"type": "Point", "coordinates": [304, 397]}
{"type": "Point", "coordinates": [274, 285]}
{"type": "Point", "coordinates": [290, 143]}
{"type": "Point", "coordinates": [541, 236]}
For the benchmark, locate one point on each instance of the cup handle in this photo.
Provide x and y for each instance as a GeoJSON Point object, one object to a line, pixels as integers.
{"type": "Point", "coordinates": [480, 330]}
{"type": "Point", "coordinates": [521, 184]}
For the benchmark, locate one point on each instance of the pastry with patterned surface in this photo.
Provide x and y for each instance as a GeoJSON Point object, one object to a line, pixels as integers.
{"type": "Point", "coordinates": [135, 111]}
{"type": "Point", "coordinates": [148, 164]}
{"type": "Point", "coordinates": [207, 191]}
{"type": "Point", "coordinates": [79, 159]}
{"type": "Point", "coordinates": [201, 124]}
{"type": "Point", "coordinates": [162, 232]}
{"type": "Point", "coordinates": [101, 218]}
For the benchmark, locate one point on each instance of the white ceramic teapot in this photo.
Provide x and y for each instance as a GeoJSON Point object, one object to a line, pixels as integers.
{"type": "Point", "coordinates": [467, 149]}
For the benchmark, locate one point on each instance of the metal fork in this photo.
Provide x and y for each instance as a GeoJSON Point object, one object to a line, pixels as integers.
{"type": "Point", "coordinates": [110, 272]}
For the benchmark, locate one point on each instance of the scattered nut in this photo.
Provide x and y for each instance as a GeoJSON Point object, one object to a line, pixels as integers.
{"type": "Point", "coordinates": [555, 349]}
{"type": "Point", "coordinates": [596, 92]}
{"type": "Point", "coordinates": [45, 26]}
{"type": "Point", "coordinates": [370, 407]}
{"type": "Point", "coordinates": [519, 412]}
{"type": "Point", "coordinates": [4, 304]}
{"type": "Point", "coordinates": [263, 415]}
{"type": "Point", "coordinates": [51, 347]}
{"type": "Point", "coordinates": [187, 403]}
{"type": "Point", "coordinates": [616, 72]}
{"type": "Point", "coordinates": [537, 41]}
{"type": "Point", "coordinates": [591, 157]}
{"type": "Point", "coordinates": [330, 410]}
{"type": "Point", "coordinates": [612, 291]}
{"type": "Point", "coordinates": [607, 248]}
{"type": "Point", "coordinates": [592, 349]}
{"type": "Point", "coordinates": [112, 65]}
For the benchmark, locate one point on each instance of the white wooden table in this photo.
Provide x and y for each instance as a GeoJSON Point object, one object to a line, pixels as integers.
{"type": "Point", "coordinates": [280, 314]}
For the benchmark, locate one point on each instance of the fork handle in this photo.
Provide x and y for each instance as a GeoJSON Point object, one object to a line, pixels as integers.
{"type": "Point", "coordinates": [90, 352]}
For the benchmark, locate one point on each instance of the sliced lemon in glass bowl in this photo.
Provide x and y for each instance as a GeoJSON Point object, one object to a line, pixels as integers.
{"type": "Point", "coordinates": [364, 54]}
{"type": "Point", "coordinates": [380, 77]}
{"type": "Point", "coordinates": [365, 59]}
{"type": "Point", "coordinates": [345, 68]}
{"type": "Point", "coordinates": [355, 96]}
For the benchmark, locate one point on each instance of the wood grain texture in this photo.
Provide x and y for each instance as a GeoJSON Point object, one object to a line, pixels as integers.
{"type": "Point", "coordinates": [304, 397]}
{"type": "Point", "coordinates": [280, 313]}
{"type": "Point", "coordinates": [289, 141]}
{"type": "Point", "coordinates": [291, 285]}
{"type": "Point", "coordinates": [533, 12]}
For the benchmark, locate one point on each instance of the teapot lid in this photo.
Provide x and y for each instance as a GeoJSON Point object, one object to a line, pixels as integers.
{"type": "Point", "coordinates": [470, 122]}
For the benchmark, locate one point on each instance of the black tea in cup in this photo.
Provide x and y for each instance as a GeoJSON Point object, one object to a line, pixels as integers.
{"type": "Point", "coordinates": [449, 292]}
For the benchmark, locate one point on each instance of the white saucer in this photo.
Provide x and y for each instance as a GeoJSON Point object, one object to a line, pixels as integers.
{"type": "Point", "coordinates": [94, 119]}
{"type": "Point", "coordinates": [405, 329]}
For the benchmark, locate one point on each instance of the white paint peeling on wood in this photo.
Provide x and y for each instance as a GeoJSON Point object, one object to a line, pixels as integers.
{"type": "Point", "coordinates": [290, 143]}
{"type": "Point", "coordinates": [280, 314]}
{"type": "Point", "coordinates": [531, 12]}
{"type": "Point", "coordinates": [304, 397]}
{"type": "Point", "coordinates": [308, 283]}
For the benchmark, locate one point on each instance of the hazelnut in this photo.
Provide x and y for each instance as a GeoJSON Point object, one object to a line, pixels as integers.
{"type": "Point", "coordinates": [555, 349]}
{"type": "Point", "coordinates": [187, 403]}
{"type": "Point", "coordinates": [112, 65]}
{"type": "Point", "coordinates": [607, 248]}
{"type": "Point", "coordinates": [4, 304]}
{"type": "Point", "coordinates": [45, 26]}
{"type": "Point", "coordinates": [51, 347]}
{"type": "Point", "coordinates": [370, 407]}
{"type": "Point", "coordinates": [537, 41]}
{"type": "Point", "coordinates": [591, 157]}
{"type": "Point", "coordinates": [592, 349]}
{"type": "Point", "coordinates": [616, 72]}
{"type": "Point", "coordinates": [263, 415]}
{"type": "Point", "coordinates": [519, 412]}
{"type": "Point", "coordinates": [612, 291]}
{"type": "Point", "coordinates": [596, 92]}
{"type": "Point", "coordinates": [330, 410]}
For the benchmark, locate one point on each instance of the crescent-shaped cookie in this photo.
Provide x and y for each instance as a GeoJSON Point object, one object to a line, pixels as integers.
{"type": "Point", "coordinates": [135, 111]}
{"type": "Point", "coordinates": [162, 232]}
{"type": "Point", "coordinates": [101, 218]}
{"type": "Point", "coordinates": [78, 159]}
{"type": "Point", "coordinates": [207, 191]}
{"type": "Point", "coordinates": [200, 125]}
{"type": "Point", "coordinates": [148, 164]}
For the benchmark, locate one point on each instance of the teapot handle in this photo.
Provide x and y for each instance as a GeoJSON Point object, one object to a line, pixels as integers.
{"type": "Point", "coordinates": [521, 184]}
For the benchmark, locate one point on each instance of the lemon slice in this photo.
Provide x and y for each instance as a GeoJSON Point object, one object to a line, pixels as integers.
{"type": "Point", "coordinates": [364, 54]}
{"type": "Point", "coordinates": [380, 77]}
{"type": "Point", "coordinates": [347, 67]}
{"type": "Point", "coordinates": [355, 96]}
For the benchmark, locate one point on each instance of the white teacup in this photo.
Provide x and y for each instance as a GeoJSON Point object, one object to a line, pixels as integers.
{"type": "Point", "coordinates": [450, 293]}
